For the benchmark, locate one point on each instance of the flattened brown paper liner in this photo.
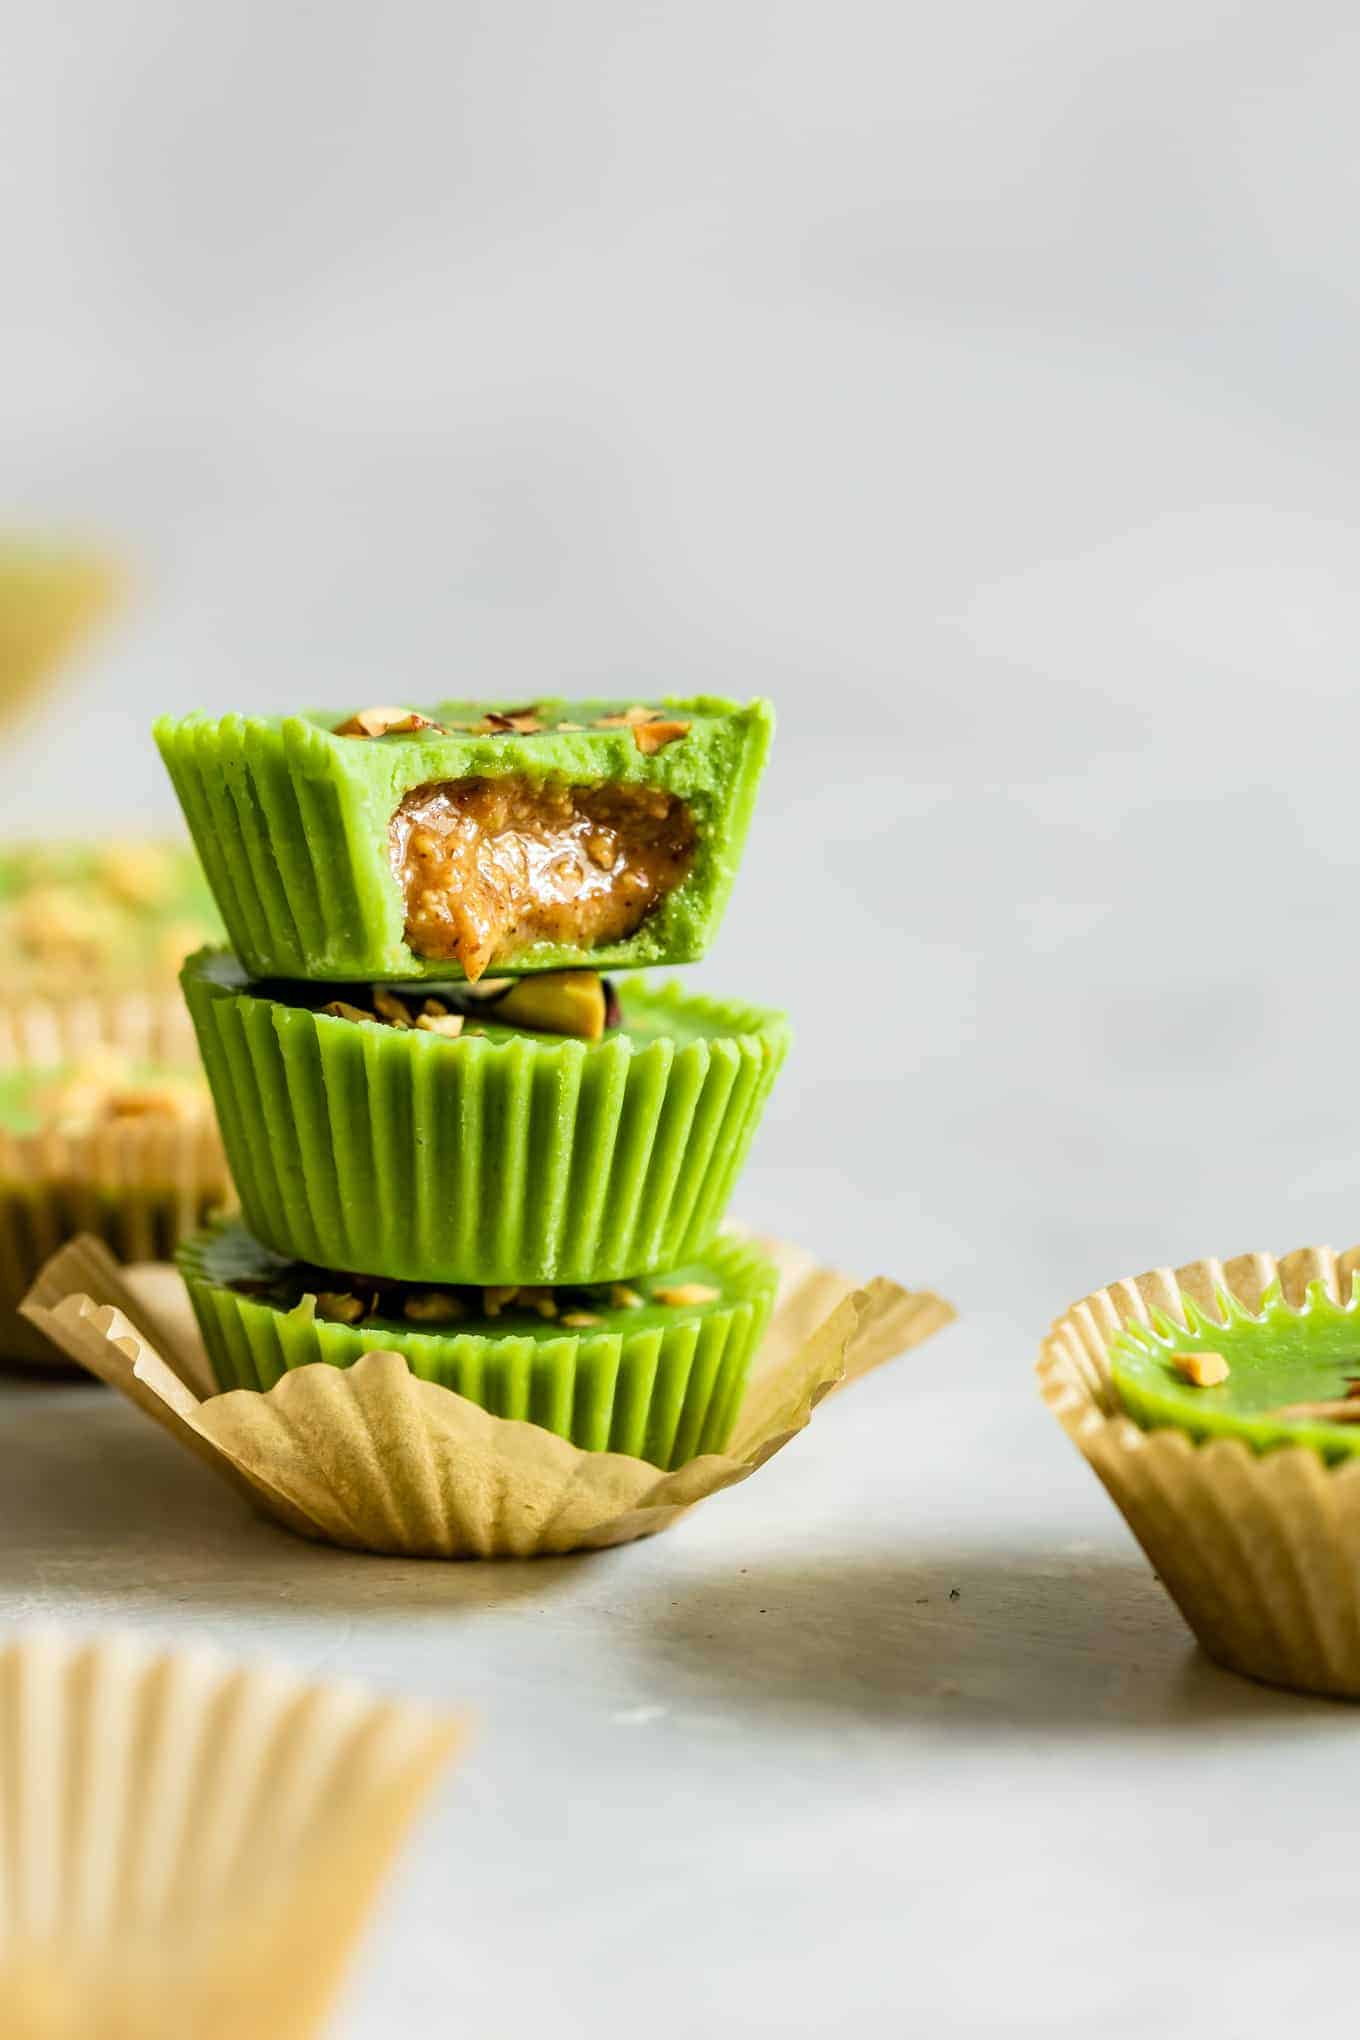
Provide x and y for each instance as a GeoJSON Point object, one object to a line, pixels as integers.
{"type": "Point", "coordinates": [373, 1458]}
{"type": "Point", "coordinates": [188, 1848]}
{"type": "Point", "coordinates": [1259, 1551]}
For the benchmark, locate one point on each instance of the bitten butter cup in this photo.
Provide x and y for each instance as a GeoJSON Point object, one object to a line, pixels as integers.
{"type": "Point", "coordinates": [190, 1847]}
{"type": "Point", "coordinates": [373, 1458]}
{"type": "Point", "coordinates": [141, 1184]}
{"type": "Point", "coordinates": [291, 820]}
{"type": "Point", "coordinates": [395, 1153]}
{"type": "Point", "coordinates": [1259, 1551]}
{"type": "Point", "coordinates": [659, 1381]}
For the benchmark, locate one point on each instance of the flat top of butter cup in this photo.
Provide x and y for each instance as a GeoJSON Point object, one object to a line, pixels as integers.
{"type": "Point", "coordinates": [660, 720]}
{"type": "Point", "coordinates": [638, 1012]}
{"type": "Point", "coordinates": [1273, 1378]}
{"type": "Point", "coordinates": [730, 1273]}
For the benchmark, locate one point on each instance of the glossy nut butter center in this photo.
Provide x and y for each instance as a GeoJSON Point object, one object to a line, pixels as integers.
{"type": "Point", "coordinates": [489, 867]}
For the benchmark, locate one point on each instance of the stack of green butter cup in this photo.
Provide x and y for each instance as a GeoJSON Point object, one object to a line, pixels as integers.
{"type": "Point", "coordinates": [451, 1136]}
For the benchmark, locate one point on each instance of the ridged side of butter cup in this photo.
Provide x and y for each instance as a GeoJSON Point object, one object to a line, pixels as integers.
{"type": "Point", "coordinates": [141, 1185]}
{"type": "Point", "coordinates": [396, 1153]}
{"type": "Point", "coordinates": [272, 835]}
{"type": "Point", "coordinates": [663, 1393]}
{"type": "Point", "coordinates": [295, 850]}
{"type": "Point", "coordinates": [1259, 1551]}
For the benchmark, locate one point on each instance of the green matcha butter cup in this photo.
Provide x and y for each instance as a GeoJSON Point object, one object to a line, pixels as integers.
{"type": "Point", "coordinates": [659, 1381]}
{"type": "Point", "coordinates": [500, 1157]}
{"type": "Point", "coordinates": [1245, 1500]}
{"type": "Point", "coordinates": [292, 822]}
{"type": "Point", "coordinates": [140, 1184]}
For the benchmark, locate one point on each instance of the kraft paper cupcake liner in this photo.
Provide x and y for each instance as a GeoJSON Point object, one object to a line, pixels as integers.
{"type": "Point", "coordinates": [375, 1459]}
{"type": "Point", "coordinates": [52, 595]}
{"type": "Point", "coordinates": [1259, 1551]}
{"type": "Point", "coordinates": [91, 921]}
{"type": "Point", "coordinates": [148, 1026]}
{"type": "Point", "coordinates": [396, 1153]}
{"type": "Point", "coordinates": [661, 1392]}
{"type": "Point", "coordinates": [189, 1848]}
{"type": "Point", "coordinates": [141, 1184]}
{"type": "Point", "coordinates": [291, 821]}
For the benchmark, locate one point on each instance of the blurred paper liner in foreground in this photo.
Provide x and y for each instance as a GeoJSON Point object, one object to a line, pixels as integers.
{"type": "Point", "coordinates": [373, 1458]}
{"type": "Point", "coordinates": [51, 595]}
{"type": "Point", "coordinates": [187, 1847]}
{"type": "Point", "coordinates": [1259, 1551]}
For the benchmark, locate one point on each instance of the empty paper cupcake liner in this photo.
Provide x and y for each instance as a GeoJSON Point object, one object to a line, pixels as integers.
{"type": "Point", "coordinates": [189, 1847]}
{"type": "Point", "coordinates": [663, 1393]}
{"type": "Point", "coordinates": [374, 1458]}
{"type": "Point", "coordinates": [396, 1153]}
{"type": "Point", "coordinates": [1260, 1551]}
{"type": "Point", "coordinates": [140, 1184]}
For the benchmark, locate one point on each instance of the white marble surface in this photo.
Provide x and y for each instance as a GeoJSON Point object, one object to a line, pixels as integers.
{"type": "Point", "coordinates": [980, 383]}
{"type": "Point", "coordinates": [900, 1736]}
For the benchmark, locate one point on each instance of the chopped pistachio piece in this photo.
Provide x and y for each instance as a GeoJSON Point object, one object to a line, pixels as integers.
{"type": "Point", "coordinates": [557, 1002]}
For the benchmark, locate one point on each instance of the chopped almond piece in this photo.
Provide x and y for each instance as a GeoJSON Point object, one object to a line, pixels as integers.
{"type": "Point", "coordinates": [650, 736]}
{"type": "Point", "coordinates": [339, 1009]}
{"type": "Point", "coordinates": [685, 1294]}
{"type": "Point", "coordinates": [495, 1300]}
{"type": "Point", "coordinates": [450, 1025]}
{"type": "Point", "coordinates": [434, 1307]}
{"type": "Point", "coordinates": [1201, 1370]}
{"type": "Point", "coordinates": [390, 1008]}
{"type": "Point", "coordinates": [339, 1309]}
{"type": "Point", "coordinates": [581, 1320]}
{"type": "Point", "coordinates": [638, 713]}
{"type": "Point", "coordinates": [383, 722]}
{"type": "Point", "coordinates": [501, 722]}
{"type": "Point", "coordinates": [1346, 1412]}
{"type": "Point", "coordinates": [434, 1008]}
{"type": "Point", "coordinates": [622, 1297]}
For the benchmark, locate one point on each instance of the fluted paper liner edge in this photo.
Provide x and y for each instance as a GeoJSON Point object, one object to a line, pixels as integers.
{"type": "Point", "coordinates": [142, 1181]}
{"type": "Point", "coordinates": [189, 1846]}
{"type": "Point", "coordinates": [1259, 1551]}
{"type": "Point", "coordinates": [373, 1458]}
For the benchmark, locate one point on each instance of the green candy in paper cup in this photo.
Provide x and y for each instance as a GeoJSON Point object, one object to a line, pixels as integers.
{"type": "Point", "coordinates": [1240, 1478]}
{"type": "Point", "coordinates": [373, 1457]}
{"type": "Point", "coordinates": [655, 1369]}
{"type": "Point", "coordinates": [506, 1155]}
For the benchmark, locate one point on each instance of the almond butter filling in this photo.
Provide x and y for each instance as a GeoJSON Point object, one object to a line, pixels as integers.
{"type": "Point", "coordinates": [489, 867]}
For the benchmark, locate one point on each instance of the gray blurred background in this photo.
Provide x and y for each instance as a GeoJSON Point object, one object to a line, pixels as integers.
{"type": "Point", "coordinates": [979, 382]}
